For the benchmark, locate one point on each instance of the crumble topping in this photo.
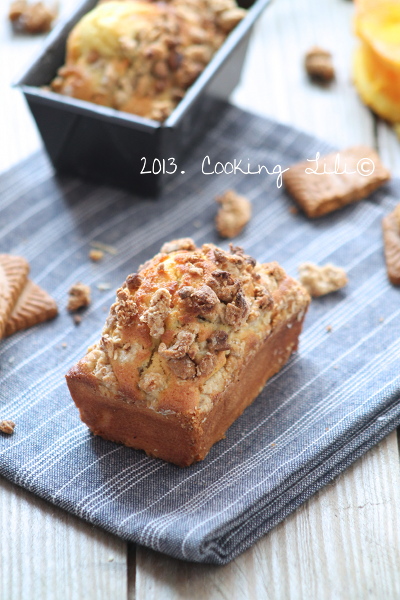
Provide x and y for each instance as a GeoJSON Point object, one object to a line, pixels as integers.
{"type": "Point", "coordinates": [236, 311]}
{"type": "Point", "coordinates": [206, 365]}
{"type": "Point", "coordinates": [173, 326]}
{"type": "Point", "coordinates": [157, 312]}
{"type": "Point", "coordinates": [184, 368]}
{"type": "Point", "coordinates": [98, 361]}
{"type": "Point", "coordinates": [218, 341]}
{"type": "Point", "coordinates": [125, 309]}
{"type": "Point", "coordinates": [201, 301]}
{"type": "Point", "coordinates": [175, 245]}
{"type": "Point", "coordinates": [183, 341]}
{"type": "Point", "coordinates": [224, 285]}
{"type": "Point", "coordinates": [133, 281]}
{"type": "Point", "coordinates": [152, 382]}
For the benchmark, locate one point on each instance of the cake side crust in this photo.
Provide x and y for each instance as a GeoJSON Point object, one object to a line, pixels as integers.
{"type": "Point", "coordinates": [181, 438]}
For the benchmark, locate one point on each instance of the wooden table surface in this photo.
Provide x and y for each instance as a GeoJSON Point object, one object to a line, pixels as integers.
{"type": "Point", "coordinates": [341, 544]}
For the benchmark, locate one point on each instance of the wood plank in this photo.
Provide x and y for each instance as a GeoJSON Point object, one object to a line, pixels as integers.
{"type": "Point", "coordinates": [344, 513]}
{"type": "Point", "coordinates": [343, 543]}
{"type": "Point", "coordinates": [389, 147]}
{"type": "Point", "coordinates": [46, 553]}
{"type": "Point", "coordinates": [17, 127]}
{"type": "Point", "coordinates": [275, 83]}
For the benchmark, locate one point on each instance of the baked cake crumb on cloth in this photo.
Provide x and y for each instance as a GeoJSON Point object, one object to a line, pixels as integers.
{"type": "Point", "coordinates": [320, 281]}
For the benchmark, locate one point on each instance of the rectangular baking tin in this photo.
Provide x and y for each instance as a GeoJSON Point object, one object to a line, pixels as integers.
{"type": "Point", "coordinates": [106, 145]}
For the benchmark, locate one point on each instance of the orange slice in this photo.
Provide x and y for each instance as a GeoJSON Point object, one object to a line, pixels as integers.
{"type": "Point", "coordinates": [377, 84]}
{"type": "Point", "coordinates": [377, 23]}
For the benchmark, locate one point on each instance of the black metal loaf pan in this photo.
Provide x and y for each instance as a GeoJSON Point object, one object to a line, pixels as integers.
{"type": "Point", "coordinates": [106, 145]}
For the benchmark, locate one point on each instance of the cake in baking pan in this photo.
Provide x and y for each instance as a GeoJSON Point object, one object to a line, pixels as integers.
{"type": "Point", "coordinates": [140, 56]}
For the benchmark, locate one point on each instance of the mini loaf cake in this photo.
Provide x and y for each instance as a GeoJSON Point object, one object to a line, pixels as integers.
{"type": "Point", "coordinates": [189, 343]}
{"type": "Point", "coordinates": [140, 56]}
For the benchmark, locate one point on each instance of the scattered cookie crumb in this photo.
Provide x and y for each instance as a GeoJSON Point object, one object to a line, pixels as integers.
{"type": "Point", "coordinates": [234, 214]}
{"type": "Point", "coordinates": [64, 345]}
{"type": "Point", "coordinates": [381, 319]}
{"type": "Point", "coordinates": [329, 328]}
{"type": "Point", "coordinates": [11, 359]}
{"type": "Point", "coordinates": [197, 224]}
{"type": "Point", "coordinates": [319, 281]}
{"type": "Point", "coordinates": [77, 319]}
{"type": "Point", "coordinates": [96, 255]}
{"type": "Point", "coordinates": [105, 247]}
{"type": "Point", "coordinates": [294, 210]}
{"type": "Point", "coordinates": [319, 65]}
{"type": "Point", "coordinates": [110, 559]}
{"type": "Point", "coordinates": [335, 367]}
{"type": "Point", "coordinates": [79, 296]}
{"type": "Point", "coordinates": [7, 427]}
{"type": "Point", "coordinates": [31, 18]}
{"type": "Point", "coordinates": [103, 286]}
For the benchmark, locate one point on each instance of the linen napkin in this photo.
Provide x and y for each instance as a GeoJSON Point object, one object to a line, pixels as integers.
{"type": "Point", "coordinates": [337, 396]}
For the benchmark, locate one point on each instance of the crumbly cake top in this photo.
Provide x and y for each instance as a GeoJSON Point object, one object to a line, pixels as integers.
{"type": "Point", "coordinates": [182, 325]}
{"type": "Point", "coordinates": [140, 56]}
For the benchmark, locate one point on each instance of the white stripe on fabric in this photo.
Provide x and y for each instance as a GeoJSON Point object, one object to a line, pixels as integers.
{"type": "Point", "coordinates": [314, 413]}
{"type": "Point", "coordinates": [13, 192]}
{"type": "Point", "coordinates": [238, 472]}
{"type": "Point", "coordinates": [313, 443]}
{"type": "Point", "coordinates": [28, 214]}
{"type": "Point", "coordinates": [376, 282]}
{"type": "Point", "coordinates": [368, 285]}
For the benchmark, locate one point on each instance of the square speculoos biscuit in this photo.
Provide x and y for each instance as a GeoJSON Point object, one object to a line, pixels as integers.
{"type": "Point", "coordinates": [188, 345]}
{"type": "Point", "coordinates": [33, 306]}
{"type": "Point", "coordinates": [391, 239]}
{"type": "Point", "coordinates": [320, 193]}
{"type": "Point", "coordinates": [14, 272]}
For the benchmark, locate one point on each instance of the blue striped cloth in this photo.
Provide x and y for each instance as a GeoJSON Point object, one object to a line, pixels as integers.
{"type": "Point", "coordinates": [336, 397]}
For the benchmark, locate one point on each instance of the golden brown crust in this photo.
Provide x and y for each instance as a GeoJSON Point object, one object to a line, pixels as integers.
{"type": "Point", "coordinates": [33, 306]}
{"type": "Point", "coordinates": [13, 277]}
{"type": "Point", "coordinates": [391, 238]}
{"type": "Point", "coordinates": [140, 56]}
{"type": "Point", "coordinates": [175, 341]}
{"type": "Point", "coordinates": [322, 192]}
